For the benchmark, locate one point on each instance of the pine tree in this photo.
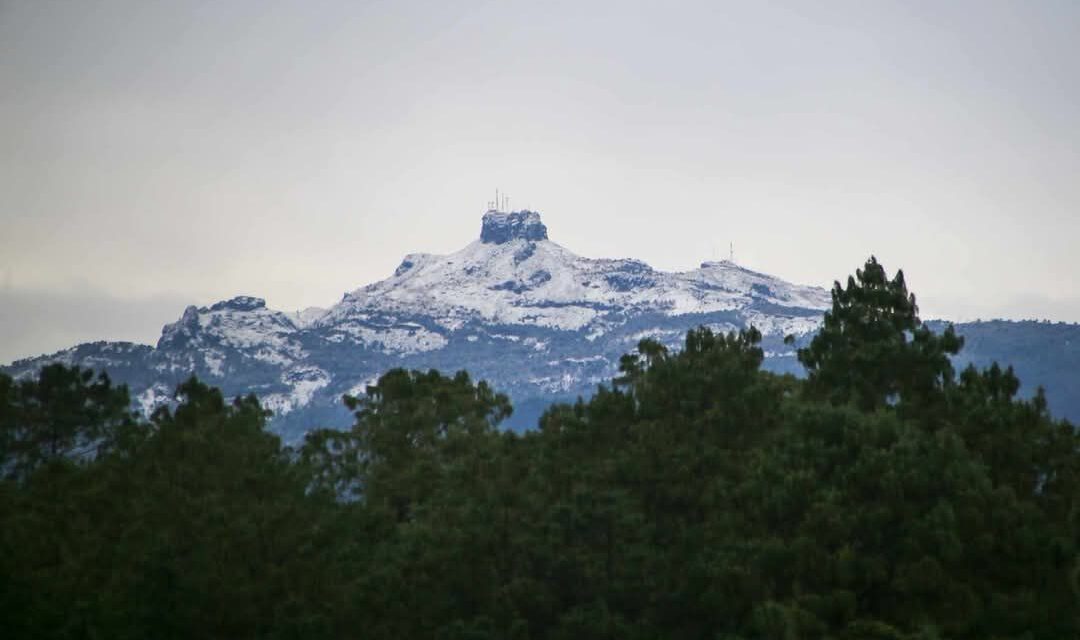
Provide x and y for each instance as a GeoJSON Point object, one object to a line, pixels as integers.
{"type": "Point", "coordinates": [65, 413]}
{"type": "Point", "coordinates": [873, 349]}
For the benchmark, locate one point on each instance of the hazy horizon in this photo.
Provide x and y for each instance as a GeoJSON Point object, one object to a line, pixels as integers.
{"type": "Point", "coordinates": [162, 155]}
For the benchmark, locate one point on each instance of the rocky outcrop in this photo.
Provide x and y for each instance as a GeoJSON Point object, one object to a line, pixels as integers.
{"type": "Point", "coordinates": [500, 227]}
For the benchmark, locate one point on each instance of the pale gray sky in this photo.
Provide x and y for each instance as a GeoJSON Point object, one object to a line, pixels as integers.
{"type": "Point", "coordinates": [155, 154]}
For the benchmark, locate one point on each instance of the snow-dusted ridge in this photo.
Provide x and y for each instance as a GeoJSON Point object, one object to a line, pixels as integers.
{"type": "Point", "coordinates": [512, 275]}
{"type": "Point", "coordinates": [513, 307]}
{"type": "Point", "coordinates": [515, 275]}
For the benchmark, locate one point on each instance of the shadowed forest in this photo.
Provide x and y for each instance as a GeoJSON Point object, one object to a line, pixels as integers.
{"type": "Point", "coordinates": [884, 496]}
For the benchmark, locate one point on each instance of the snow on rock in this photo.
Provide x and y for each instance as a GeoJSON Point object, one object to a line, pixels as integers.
{"type": "Point", "coordinates": [306, 317]}
{"type": "Point", "coordinates": [783, 325]}
{"type": "Point", "coordinates": [242, 323]}
{"type": "Point", "coordinates": [515, 275]}
{"type": "Point", "coordinates": [499, 227]}
{"type": "Point", "coordinates": [215, 362]}
{"type": "Point", "coordinates": [152, 397]}
{"type": "Point", "coordinates": [304, 382]}
{"type": "Point", "coordinates": [360, 388]}
{"type": "Point", "coordinates": [392, 339]}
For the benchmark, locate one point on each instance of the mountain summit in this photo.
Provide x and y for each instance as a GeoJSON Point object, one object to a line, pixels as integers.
{"type": "Point", "coordinates": [499, 227]}
{"type": "Point", "coordinates": [513, 307]}
{"type": "Point", "coordinates": [514, 275]}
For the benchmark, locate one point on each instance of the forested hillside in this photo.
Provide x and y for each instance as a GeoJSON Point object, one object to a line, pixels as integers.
{"type": "Point", "coordinates": [1044, 354]}
{"type": "Point", "coordinates": [884, 496]}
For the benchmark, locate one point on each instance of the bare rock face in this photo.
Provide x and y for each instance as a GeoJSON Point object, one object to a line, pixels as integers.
{"type": "Point", "coordinates": [500, 227]}
{"type": "Point", "coordinates": [240, 303]}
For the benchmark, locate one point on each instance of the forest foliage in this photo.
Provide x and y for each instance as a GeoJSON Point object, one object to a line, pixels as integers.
{"type": "Point", "coordinates": [885, 496]}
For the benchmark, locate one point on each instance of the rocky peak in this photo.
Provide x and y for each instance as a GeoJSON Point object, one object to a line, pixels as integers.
{"type": "Point", "coordinates": [240, 303]}
{"type": "Point", "coordinates": [500, 227]}
{"type": "Point", "coordinates": [178, 333]}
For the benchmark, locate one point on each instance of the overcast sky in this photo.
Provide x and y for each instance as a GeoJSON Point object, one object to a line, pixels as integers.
{"type": "Point", "coordinates": [158, 154]}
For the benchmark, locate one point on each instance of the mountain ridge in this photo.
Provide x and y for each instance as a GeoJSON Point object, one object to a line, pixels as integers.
{"type": "Point", "coordinates": [513, 307]}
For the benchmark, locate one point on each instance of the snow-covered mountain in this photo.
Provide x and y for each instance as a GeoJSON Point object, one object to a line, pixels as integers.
{"type": "Point", "coordinates": [514, 275]}
{"type": "Point", "coordinates": [515, 308]}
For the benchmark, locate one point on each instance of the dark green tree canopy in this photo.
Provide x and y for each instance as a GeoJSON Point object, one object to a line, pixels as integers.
{"type": "Point", "coordinates": [696, 496]}
{"type": "Point", "coordinates": [873, 349]}
{"type": "Point", "coordinates": [66, 413]}
{"type": "Point", "coordinates": [407, 423]}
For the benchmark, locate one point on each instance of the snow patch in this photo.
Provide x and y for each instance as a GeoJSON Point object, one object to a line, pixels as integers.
{"type": "Point", "coordinates": [399, 340]}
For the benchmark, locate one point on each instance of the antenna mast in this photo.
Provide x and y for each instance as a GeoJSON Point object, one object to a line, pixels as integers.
{"type": "Point", "coordinates": [731, 252]}
{"type": "Point", "coordinates": [500, 203]}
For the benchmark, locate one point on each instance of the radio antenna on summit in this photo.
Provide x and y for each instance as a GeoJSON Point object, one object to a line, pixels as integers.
{"type": "Point", "coordinates": [500, 203]}
{"type": "Point", "coordinates": [731, 252]}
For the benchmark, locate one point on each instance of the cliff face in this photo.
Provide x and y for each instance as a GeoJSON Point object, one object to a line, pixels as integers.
{"type": "Point", "coordinates": [499, 227]}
